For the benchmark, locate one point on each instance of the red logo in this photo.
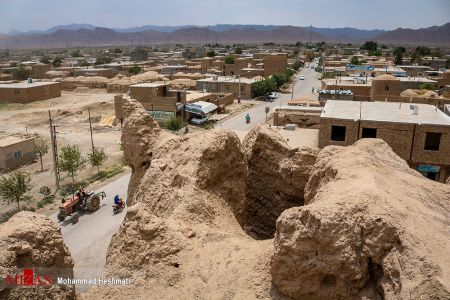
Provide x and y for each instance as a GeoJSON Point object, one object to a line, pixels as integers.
{"type": "Point", "coordinates": [28, 278]}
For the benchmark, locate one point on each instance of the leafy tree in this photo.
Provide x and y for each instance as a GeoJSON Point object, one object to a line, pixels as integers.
{"type": "Point", "coordinates": [45, 60]}
{"type": "Point", "coordinates": [229, 60]}
{"type": "Point", "coordinates": [57, 61]}
{"type": "Point", "coordinates": [103, 59]}
{"type": "Point", "coordinates": [135, 69]}
{"type": "Point", "coordinates": [259, 88]}
{"type": "Point", "coordinates": [97, 157]}
{"type": "Point", "coordinates": [15, 186]}
{"type": "Point", "coordinates": [22, 72]}
{"type": "Point", "coordinates": [41, 149]}
{"type": "Point", "coordinates": [117, 50]}
{"type": "Point", "coordinates": [355, 61]}
{"type": "Point", "coordinates": [422, 51]}
{"type": "Point", "coordinates": [238, 50]}
{"type": "Point", "coordinates": [370, 46]}
{"type": "Point", "coordinates": [211, 53]}
{"type": "Point", "coordinates": [76, 53]}
{"type": "Point", "coordinates": [398, 52]}
{"type": "Point", "coordinates": [375, 53]}
{"type": "Point", "coordinates": [297, 65]}
{"type": "Point", "coordinates": [309, 56]}
{"type": "Point", "coordinates": [173, 124]}
{"type": "Point", "coordinates": [447, 63]}
{"type": "Point", "coordinates": [84, 63]}
{"type": "Point", "coordinates": [71, 160]}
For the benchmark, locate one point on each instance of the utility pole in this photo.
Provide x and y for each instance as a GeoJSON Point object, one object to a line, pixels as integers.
{"type": "Point", "coordinates": [292, 94]}
{"type": "Point", "coordinates": [54, 149]}
{"type": "Point", "coordinates": [239, 97]}
{"type": "Point", "coordinates": [90, 129]}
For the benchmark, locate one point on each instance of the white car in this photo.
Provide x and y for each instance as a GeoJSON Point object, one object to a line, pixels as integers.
{"type": "Point", "coordinates": [302, 77]}
{"type": "Point", "coordinates": [272, 95]}
{"type": "Point", "coordinates": [199, 120]}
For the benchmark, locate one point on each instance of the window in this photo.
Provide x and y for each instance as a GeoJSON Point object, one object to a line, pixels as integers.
{"type": "Point", "coordinates": [227, 87]}
{"type": "Point", "coordinates": [386, 87]}
{"type": "Point", "coordinates": [338, 133]}
{"type": "Point", "coordinates": [369, 133]}
{"type": "Point", "coordinates": [242, 88]}
{"type": "Point", "coordinates": [432, 141]}
{"type": "Point", "coordinates": [17, 154]}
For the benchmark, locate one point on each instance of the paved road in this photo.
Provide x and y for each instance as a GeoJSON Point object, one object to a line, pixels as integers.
{"type": "Point", "coordinates": [302, 88]}
{"type": "Point", "coordinates": [89, 239]}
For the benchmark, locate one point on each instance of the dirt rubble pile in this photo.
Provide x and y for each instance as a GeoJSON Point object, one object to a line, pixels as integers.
{"type": "Point", "coordinates": [371, 226]}
{"type": "Point", "coordinates": [277, 178]}
{"type": "Point", "coordinates": [182, 235]}
{"type": "Point", "coordinates": [30, 240]}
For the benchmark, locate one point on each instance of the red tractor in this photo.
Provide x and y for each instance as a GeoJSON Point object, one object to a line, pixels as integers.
{"type": "Point", "coordinates": [80, 201]}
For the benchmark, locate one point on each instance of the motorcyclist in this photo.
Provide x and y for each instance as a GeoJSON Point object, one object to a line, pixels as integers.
{"type": "Point", "coordinates": [118, 201]}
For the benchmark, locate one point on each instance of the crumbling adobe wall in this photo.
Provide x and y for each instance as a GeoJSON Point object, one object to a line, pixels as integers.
{"type": "Point", "coordinates": [139, 134]}
{"type": "Point", "coordinates": [181, 236]}
{"type": "Point", "coordinates": [277, 177]}
{"type": "Point", "coordinates": [30, 240]}
{"type": "Point", "coordinates": [371, 226]}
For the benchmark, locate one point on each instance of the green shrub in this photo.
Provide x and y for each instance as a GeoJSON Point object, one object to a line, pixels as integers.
{"type": "Point", "coordinates": [173, 124]}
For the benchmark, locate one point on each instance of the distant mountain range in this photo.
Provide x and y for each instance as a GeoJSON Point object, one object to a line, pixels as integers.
{"type": "Point", "coordinates": [85, 35]}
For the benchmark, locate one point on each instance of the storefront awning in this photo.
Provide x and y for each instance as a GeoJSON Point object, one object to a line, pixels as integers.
{"type": "Point", "coordinates": [200, 107]}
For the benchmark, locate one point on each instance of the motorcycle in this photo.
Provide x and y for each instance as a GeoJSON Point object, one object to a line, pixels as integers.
{"type": "Point", "coordinates": [118, 207]}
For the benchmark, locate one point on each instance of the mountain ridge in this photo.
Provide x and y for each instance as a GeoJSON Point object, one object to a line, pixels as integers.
{"type": "Point", "coordinates": [83, 35]}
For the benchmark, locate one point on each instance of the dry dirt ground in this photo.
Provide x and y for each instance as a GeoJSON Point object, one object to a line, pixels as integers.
{"type": "Point", "coordinates": [70, 112]}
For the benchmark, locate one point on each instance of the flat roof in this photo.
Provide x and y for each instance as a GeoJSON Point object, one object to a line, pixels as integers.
{"type": "Point", "coordinates": [25, 84]}
{"type": "Point", "coordinates": [148, 84]}
{"type": "Point", "coordinates": [395, 112]}
{"type": "Point", "coordinates": [11, 140]}
{"type": "Point", "coordinates": [227, 79]}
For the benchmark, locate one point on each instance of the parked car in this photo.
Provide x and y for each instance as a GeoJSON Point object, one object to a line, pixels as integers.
{"type": "Point", "coordinates": [302, 77]}
{"type": "Point", "coordinates": [199, 120]}
{"type": "Point", "coordinates": [272, 95]}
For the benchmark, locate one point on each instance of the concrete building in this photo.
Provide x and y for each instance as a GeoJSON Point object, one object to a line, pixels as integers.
{"type": "Point", "coordinates": [24, 92]}
{"type": "Point", "coordinates": [16, 151]}
{"type": "Point", "coordinates": [224, 85]}
{"type": "Point", "coordinates": [418, 133]}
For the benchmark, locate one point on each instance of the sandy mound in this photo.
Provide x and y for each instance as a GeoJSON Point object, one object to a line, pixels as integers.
{"type": "Point", "coordinates": [181, 236]}
{"type": "Point", "coordinates": [30, 240]}
{"type": "Point", "coordinates": [277, 178]}
{"type": "Point", "coordinates": [371, 227]}
{"type": "Point", "coordinates": [183, 84]}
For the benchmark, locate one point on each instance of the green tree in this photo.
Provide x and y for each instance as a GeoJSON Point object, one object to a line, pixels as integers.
{"type": "Point", "coordinates": [103, 59]}
{"type": "Point", "coordinates": [15, 186]}
{"type": "Point", "coordinates": [173, 124]}
{"type": "Point", "coordinates": [117, 50]}
{"type": "Point", "coordinates": [370, 46]}
{"type": "Point", "coordinates": [41, 149]}
{"type": "Point", "coordinates": [57, 61]}
{"type": "Point", "coordinates": [238, 50]}
{"type": "Point", "coordinates": [22, 72]}
{"type": "Point", "coordinates": [375, 53]}
{"type": "Point", "coordinates": [45, 60]}
{"type": "Point", "coordinates": [447, 63]}
{"type": "Point", "coordinates": [398, 53]}
{"type": "Point", "coordinates": [97, 157]}
{"type": "Point", "coordinates": [259, 88]}
{"type": "Point", "coordinates": [211, 53]}
{"type": "Point", "coordinates": [229, 60]}
{"type": "Point", "coordinates": [84, 63]}
{"type": "Point", "coordinates": [76, 53]}
{"type": "Point", "coordinates": [71, 160]}
{"type": "Point", "coordinates": [135, 70]}
{"type": "Point", "coordinates": [297, 65]}
{"type": "Point", "coordinates": [355, 61]}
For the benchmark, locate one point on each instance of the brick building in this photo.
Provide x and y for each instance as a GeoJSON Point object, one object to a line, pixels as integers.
{"type": "Point", "coordinates": [418, 133]}
{"type": "Point", "coordinates": [274, 63]}
{"type": "Point", "coordinates": [16, 151]}
{"type": "Point", "coordinates": [24, 92]}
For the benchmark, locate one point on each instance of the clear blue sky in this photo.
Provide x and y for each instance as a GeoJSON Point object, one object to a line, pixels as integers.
{"type": "Point", "coordinates": [365, 14]}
